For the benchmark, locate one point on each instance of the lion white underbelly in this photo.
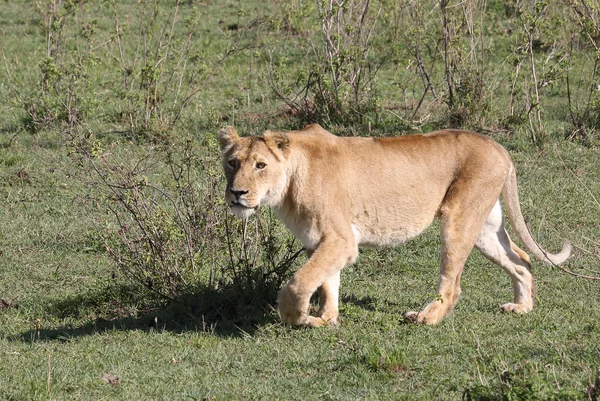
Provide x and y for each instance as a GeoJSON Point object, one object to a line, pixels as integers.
{"type": "Point", "coordinates": [368, 232]}
{"type": "Point", "coordinates": [380, 237]}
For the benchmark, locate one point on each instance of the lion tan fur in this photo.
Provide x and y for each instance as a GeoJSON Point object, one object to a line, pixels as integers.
{"type": "Point", "coordinates": [336, 194]}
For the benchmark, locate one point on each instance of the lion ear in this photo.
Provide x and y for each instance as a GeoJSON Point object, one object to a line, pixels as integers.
{"type": "Point", "coordinates": [228, 137]}
{"type": "Point", "coordinates": [279, 141]}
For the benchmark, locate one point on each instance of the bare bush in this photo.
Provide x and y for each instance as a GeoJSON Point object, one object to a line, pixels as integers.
{"type": "Point", "coordinates": [161, 64]}
{"type": "Point", "coordinates": [141, 76]}
{"type": "Point", "coordinates": [584, 106]}
{"type": "Point", "coordinates": [261, 254]}
{"type": "Point", "coordinates": [463, 51]}
{"type": "Point", "coordinates": [446, 42]}
{"type": "Point", "coordinates": [171, 231]}
{"type": "Point", "coordinates": [338, 80]}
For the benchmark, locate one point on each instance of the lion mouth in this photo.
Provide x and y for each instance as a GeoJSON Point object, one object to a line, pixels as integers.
{"type": "Point", "coordinates": [242, 211]}
{"type": "Point", "coordinates": [241, 205]}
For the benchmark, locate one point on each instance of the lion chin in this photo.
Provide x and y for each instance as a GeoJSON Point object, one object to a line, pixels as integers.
{"type": "Point", "coordinates": [242, 212]}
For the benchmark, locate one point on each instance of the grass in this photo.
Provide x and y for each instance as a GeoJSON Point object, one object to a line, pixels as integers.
{"type": "Point", "coordinates": [53, 267]}
{"type": "Point", "coordinates": [69, 317]}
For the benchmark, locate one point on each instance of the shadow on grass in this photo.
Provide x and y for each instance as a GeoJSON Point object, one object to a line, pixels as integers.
{"type": "Point", "coordinates": [225, 313]}
{"type": "Point", "coordinates": [370, 303]}
{"type": "Point", "coordinates": [367, 303]}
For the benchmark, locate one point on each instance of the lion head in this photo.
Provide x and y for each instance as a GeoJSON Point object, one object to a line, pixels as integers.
{"type": "Point", "coordinates": [255, 168]}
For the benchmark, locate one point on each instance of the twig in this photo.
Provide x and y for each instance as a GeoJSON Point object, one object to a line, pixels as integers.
{"type": "Point", "coordinates": [48, 390]}
{"type": "Point", "coordinates": [575, 175]}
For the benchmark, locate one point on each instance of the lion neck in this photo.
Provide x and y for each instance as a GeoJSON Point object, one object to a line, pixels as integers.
{"type": "Point", "coordinates": [291, 208]}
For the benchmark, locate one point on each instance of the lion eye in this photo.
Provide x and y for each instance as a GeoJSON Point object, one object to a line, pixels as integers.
{"type": "Point", "coordinates": [232, 162]}
{"type": "Point", "coordinates": [260, 166]}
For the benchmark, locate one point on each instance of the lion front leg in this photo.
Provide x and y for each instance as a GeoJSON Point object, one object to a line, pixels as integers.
{"type": "Point", "coordinates": [328, 300]}
{"type": "Point", "coordinates": [321, 270]}
{"type": "Point", "coordinates": [293, 306]}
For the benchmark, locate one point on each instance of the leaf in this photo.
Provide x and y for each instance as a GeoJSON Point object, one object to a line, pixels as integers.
{"type": "Point", "coordinates": [6, 303]}
{"type": "Point", "coordinates": [110, 379]}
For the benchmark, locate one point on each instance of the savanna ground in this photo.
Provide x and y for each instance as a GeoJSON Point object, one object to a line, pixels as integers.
{"type": "Point", "coordinates": [123, 277]}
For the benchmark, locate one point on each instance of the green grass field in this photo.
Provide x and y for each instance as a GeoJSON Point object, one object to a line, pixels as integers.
{"type": "Point", "coordinates": [70, 320]}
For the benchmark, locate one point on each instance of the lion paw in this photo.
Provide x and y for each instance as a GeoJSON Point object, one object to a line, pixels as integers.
{"type": "Point", "coordinates": [332, 322]}
{"type": "Point", "coordinates": [421, 318]}
{"type": "Point", "coordinates": [432, 314]}
{"type": "Point", "coordinates": [415, 318]}
{"type": "Point", "coordinates": [516, 308]}
{"type": "Point", "coordinates": [312, 321]}
{"type": "Point", "coordinates": [292, 311]}
{"type": "Point", "coordinates": [411, 317]}
{"type": "Point", "coordinates": [331, 317]}
{"type": "Point", "coordinates": [294, 317]}
{"type": "Point", "coordinates": [306, 321]}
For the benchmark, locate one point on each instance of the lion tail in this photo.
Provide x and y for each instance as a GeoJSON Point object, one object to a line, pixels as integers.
{"type": "Point", "coordinates": [513, 209]}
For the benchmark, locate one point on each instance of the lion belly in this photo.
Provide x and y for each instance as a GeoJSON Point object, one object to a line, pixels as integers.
{"type": "Point", "coordinates": [371, 236]}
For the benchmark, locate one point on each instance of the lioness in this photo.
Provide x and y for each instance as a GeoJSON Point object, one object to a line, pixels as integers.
{"type": "Point", "coordinates": [336, 194]}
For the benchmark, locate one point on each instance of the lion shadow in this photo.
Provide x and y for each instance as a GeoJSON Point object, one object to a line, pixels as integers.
{"type": "Point", "coordinates": [370, 303]}
{"type": "Point", "coordinates": [224, 313]}
{"type": "Point", "coordinates": [228, 312]}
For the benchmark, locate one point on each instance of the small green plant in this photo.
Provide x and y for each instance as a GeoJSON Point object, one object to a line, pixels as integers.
{"type": "Point", "coordinates": [387, 360]}
{"type": "Point", "coordinates": [519, 385]}
{"type": "Point", "coordinates": [66, 91]}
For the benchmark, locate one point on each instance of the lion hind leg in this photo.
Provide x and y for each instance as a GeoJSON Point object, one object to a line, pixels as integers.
{"type": "Point", "coordinates": [454, 255]}
{"type": "Point", "coordinates": [495, 244]}
{"type": "Point", "coordinates": [455, 250]}
{"type": "Point", "coordinates": [463, 213]}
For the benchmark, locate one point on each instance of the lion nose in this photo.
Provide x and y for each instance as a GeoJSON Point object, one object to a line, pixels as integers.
{"type": "Point", "coordinates": [237, 194]}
